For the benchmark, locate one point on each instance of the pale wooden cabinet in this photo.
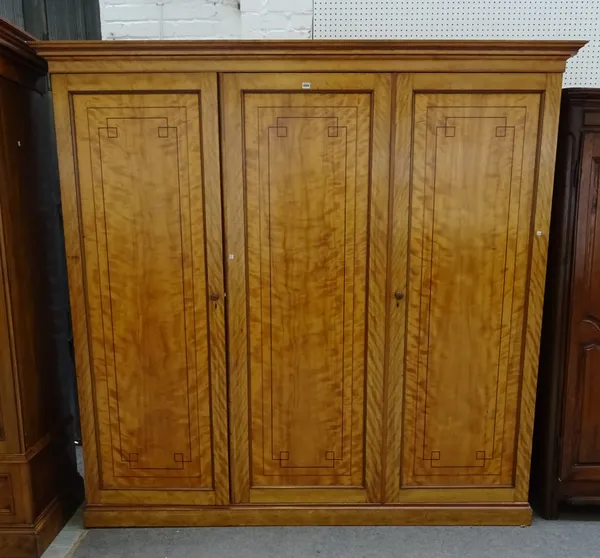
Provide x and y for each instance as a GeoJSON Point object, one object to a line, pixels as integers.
{"type": "Point", "coordinates": [305, 400]}
{"type": "Point", "coordinates": [148, 194]}
{"type": "Point", "coordinates": [307, 278]}
{"type": "Point", "coordinates": [473, 172]}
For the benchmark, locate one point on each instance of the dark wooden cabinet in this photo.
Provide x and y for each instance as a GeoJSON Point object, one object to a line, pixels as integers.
{"type": "Point", "coordinates": [39, 484]}
{"type": "Point", "coordinates": [566, 462]}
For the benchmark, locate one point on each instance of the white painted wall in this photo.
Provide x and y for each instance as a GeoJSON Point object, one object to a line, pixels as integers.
{"type": "Point", "coordinates": [206, 19]}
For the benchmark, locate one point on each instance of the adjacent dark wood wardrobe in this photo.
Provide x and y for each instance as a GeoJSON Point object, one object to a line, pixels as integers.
{"type": "Point", "coordinates": [566, 460]}
{"type": "Point", "coordinates": [39, 484]}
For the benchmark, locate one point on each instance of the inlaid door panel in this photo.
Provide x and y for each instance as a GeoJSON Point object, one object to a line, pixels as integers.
{"type": "Point", "coordinates": [581, 446]}
{"type": "Point", "coordinates": [473, 172]}
{"type": "Point", "coordinates": [151, 226]}
{"type": "Point", "coordinates": [307, 199]}
{"type": "Point", "coordinates": [302, 298]}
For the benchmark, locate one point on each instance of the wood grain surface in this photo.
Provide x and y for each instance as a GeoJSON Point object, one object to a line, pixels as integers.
{"type": "Point", "coordinates": [537, 278]}
{"type": "Point", "coordinates": [306, 172]}
{"type": "Point", "coordinates": [490, 514]}
{"type": "Point", "coordinates": [151, 273]}
{"type": "Point", "coordinates": [473, 174]}
{"type": "Point", "coordinates": [383, 272]}
{"type": "Point", "coordinates": [488, 57]}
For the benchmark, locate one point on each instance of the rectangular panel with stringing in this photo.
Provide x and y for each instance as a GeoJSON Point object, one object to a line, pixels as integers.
{"type": "Point", "coordinates": [306, 283]}
{"type": "Point", "coordinates": [307, 172]}
{"type": "Point", "coordinates": [473, 172]}
{"type": "Point", "coordinates": [141, 189]}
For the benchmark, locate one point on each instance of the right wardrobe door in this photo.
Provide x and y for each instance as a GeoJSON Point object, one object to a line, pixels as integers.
{"type": "Point", "coordinates": [469, 192]}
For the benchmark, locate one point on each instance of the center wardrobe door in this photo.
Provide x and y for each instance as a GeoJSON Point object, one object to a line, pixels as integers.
{"type": "Point", "coordinates": [306, 235]}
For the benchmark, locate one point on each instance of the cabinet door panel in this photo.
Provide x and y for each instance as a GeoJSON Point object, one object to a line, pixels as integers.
{"type": "Point", "coordinates": [581, 453]}
{"type": "Point", "coordinates": [473, 172]}
{"type": "Point", "coordinates": [9, 424]}
{"type": "Point", "coordinates": [16, 280]}
{"type": "Point", "coordinates": [307, 186]}
{"type": "Point", "coordinates": [156, 338]}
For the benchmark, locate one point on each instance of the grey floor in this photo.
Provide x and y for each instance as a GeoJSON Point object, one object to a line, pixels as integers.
{"type": "Point", "coordinates": [575, 535]}
{"type": "Point", "coordinates": [572, 538]}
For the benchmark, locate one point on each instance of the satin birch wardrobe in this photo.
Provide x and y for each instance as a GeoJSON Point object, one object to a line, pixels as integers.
{"type": "Point", "coordinates": [306, 277]}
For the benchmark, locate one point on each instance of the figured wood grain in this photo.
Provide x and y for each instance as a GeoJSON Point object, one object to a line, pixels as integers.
{"type": "Point", "coordinates": [306, 188]}
{"type": "Point", "coordinates": [470, 236]}
{"type": "Point", "coordinates": [83, 65]}
{"type": "Point", "coordinates": [379, 235]}
{"type": "Point", "coordinates": [312, 260]}
{"type": "Point", "coordinates": [482, 514]}
{"type": "Point", "coordinates": [142, 285]}
{"type": "Point", "coordinates": [537, 275]}
{"type": "Point", "coordinates": [77, 291]}
{"type": "Point", "coordinates": [306, 159]}
{"type": "Point", "coordinates": [213, 229]}
{"type": "Point", "coordinates": [234, 215]}
{"type": "Point", "coordinates": [150, 269]}
{"type": "Point", "coordinates": [493, 83]}
{"type": "Point", "coordinates": [314, 56]}
{"type": "Point", "coordinates": [397, 282]}
{"type": "Point", "coordinates": [500, 82]}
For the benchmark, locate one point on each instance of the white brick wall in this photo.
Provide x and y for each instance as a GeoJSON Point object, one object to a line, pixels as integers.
{"type": "Point", "coordinates": [206, 19]}
{"type": "Point", "coordinates": [277, 19]}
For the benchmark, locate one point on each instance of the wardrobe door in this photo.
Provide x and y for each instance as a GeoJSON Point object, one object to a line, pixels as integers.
{"type": "Point", "coordinates": [581, 436]}
{"type": "Point", "coordinates": [460, 332]}
{"type": "Point", "coordinates": [149, 202]}
{"type": "Point", "coordinates": [306, 233]}
{"type": "Point", "coordinates": [14, 106]}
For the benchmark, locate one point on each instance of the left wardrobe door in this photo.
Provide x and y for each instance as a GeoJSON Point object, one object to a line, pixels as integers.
{"type": "Point", "coordinates": [146, 280]}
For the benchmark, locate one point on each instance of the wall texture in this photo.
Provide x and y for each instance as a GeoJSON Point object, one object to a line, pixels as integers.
{"type": "Point", "coordinates": [206, 19]}
{"type": "Point", "coordinates": [374, 19]}
{"type": "Point", "coordinates": [470, 19]}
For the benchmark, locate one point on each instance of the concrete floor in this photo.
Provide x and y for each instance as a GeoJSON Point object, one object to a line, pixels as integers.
{"type": "Point", "coordinates": [64, 544]}
{"type": "Point", "coordinates": [575, 535]}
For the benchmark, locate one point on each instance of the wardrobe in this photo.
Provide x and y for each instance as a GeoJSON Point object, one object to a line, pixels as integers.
{"type": "Point", "coordinates": [306, 277]}
{"type": "Point", "coordinates": [39, 484]}
{"type": "Point", "coordinates": [567, 441]}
